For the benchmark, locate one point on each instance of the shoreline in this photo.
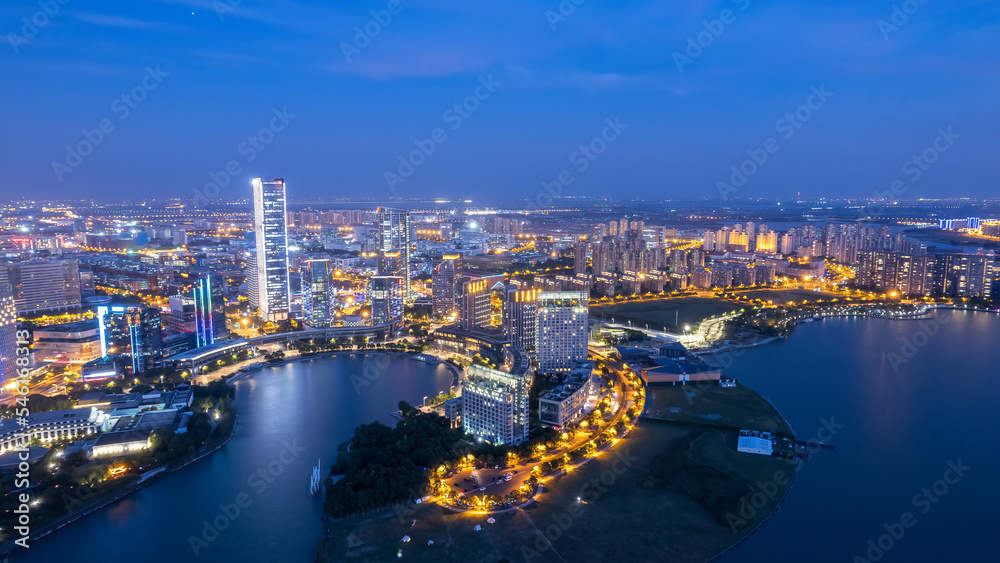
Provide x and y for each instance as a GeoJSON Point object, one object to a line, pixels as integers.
{"type": "Point", "coordinates": [142, 483]}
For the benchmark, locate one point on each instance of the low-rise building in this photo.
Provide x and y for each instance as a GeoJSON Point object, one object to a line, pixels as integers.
{"type": "Point", "coordinates": [48, 426]}
{"type": "Point", "coordinates": [563, 404]}
{"type": "Point", "coordinates": [77, 343]}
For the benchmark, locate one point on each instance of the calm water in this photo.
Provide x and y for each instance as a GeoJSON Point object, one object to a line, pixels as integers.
{"type": "Point", "coordinates": [313, 405]}
{"type": "Point", "coordinates": [900, 429]}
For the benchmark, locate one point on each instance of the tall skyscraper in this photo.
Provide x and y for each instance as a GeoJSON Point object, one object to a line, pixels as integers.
{"type": "Point", "coordinates": [42, 286]}
{"type": "Point", "coordinates": [131, 333]}
{"type": "Point", "coordinates": [394, 236]}
{"type": "Point", "coordinates": [210, 311]}
{"type": "Point", "coordinates": [475, 303]}
{"type": "Point", "coordinates": [520, 316]}
{"type": "Point", "coordinates": [446, 277]}
{"type": "Point", "coordinates": [8, 335]}
{"type": "Point", "coordinates": [316, 293]}
{"type": "Point", "coordinates": [495, 405]}
{"type": "Point", "coordinates": [561, 330]}
{"type": "Point", "coordinates": [580, 256]}
{"type": "Point", "coordinates": [272, 247]}
{"type": "Point", "coordinates": [386, 295]}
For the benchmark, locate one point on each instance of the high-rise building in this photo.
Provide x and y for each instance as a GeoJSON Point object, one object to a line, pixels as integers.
{"type": "Point", "coordinates": [561, 330]}
{"type": "Point", "coordinates": [475, 304]}
{"type": "Point", "coordinates": [386, 295]}
{"type": "Point", "coordinates": [580, 256]}
{"type": "Point", "coordinates": [130, 333]}
{"type": "Point", "coordinates": [520, 316]}
{"type": "Point", "coordinates": [271, 260]}
{"type": "Point", "coordinates": [316, 310]}
{"type": "Point", "coordinates": [446, 277]}
{"type": "Point", "coordinates": [947, 275]}
{"type": "Point", "coordinates": [42, 286]}
{"type": "Point", "coordinates": [210, 311]}
{"type": "Point", "coordinates": [394, 236]}
{"type": "Point", "coordinates": [8, 335]}
{"type": "Point", "coordinates": [495, 405]}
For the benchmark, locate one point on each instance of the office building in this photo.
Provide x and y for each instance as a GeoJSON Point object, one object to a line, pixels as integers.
{"type": "Point", "coordinates": [209, 311]}
{"type": "Point", "coordinates": [446, 277]}
{"type": "Point", "coordinates": [520, 316]}
{"type": "Point", "coordinates": [131, 335]}
{"type": "Point", "coordinates": [495, 405]}
{"type": "Point", "coordinates": [271, 259]}
{"type": "Point", "coordinates": [561, 331]}
{"type": "Point", "coordinates": [316, 309]}
{"type": "Point", "coordinates": [386, 296]}
{"type": "Point", "coordinates": [42, 286]}
{"type": "Point", "coordinates": [394, 237]}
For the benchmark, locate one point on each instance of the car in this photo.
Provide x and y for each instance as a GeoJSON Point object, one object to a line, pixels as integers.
{"type": "Point", "coordinates": [481, 489]}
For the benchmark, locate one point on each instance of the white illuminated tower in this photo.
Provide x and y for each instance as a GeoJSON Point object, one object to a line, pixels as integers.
{"type": "Point", "coordinates": [8, 335]}
{"type": "Point", "coordinates": [393, 237]}
{"type": "Point", "coordinates": [272, 247]}
{"type": "Point", "coordinates": [561, 330]}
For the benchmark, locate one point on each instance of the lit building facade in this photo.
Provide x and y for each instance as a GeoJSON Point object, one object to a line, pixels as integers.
{"type": "Point", "coordinates": [271, 259]}
{"type": "Point", "coordinates": [446, 277]}
{"type": "Point", "coordinates": [386, 296]}
{"type": "Point", "coordinates": [8, 335]}
{"type": "Point", "coordinates": [561, 330]}
{"type": "Point", "coordinates": [393, 237]}
{"type": "Point", "coordinates": [495, 405]}
{"type": "Point", "coordinates": [132, 334]}
{"type": "Point", "coordinates": [42, 286]}
{"type": "Point", "coordinates": [520, 316]}
{"type": "Point", "coordinates": [316, 310]}
{"type": "Point", "coordinates": [209, 311]}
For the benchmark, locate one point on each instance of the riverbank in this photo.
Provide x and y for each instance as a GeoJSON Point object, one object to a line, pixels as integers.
{"type": "Point", "coordinates": [686, 478]}
{"type": "Point", "coordinates": [145, 480]}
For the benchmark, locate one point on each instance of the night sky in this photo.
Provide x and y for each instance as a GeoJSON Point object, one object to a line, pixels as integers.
{"type": "Point", "coordinates": [339, 108]}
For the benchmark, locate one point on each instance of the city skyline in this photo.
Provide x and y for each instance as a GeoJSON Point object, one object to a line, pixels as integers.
{"type": "Point", "coordinates": [492, 281]}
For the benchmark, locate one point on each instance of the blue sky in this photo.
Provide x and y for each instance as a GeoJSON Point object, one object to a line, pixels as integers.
{"type": "Point", "coordinates": [225, 67]}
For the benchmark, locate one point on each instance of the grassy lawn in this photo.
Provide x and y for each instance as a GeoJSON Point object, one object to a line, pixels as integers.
{"type": "Point", "coordinates": [665, 493]}
{"type": "Point", "coordinates": [786, 295]}
{"type": "Point", "coordinates": [665, 312]}
{"type": "Point", "coordinates": [710, 404]}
